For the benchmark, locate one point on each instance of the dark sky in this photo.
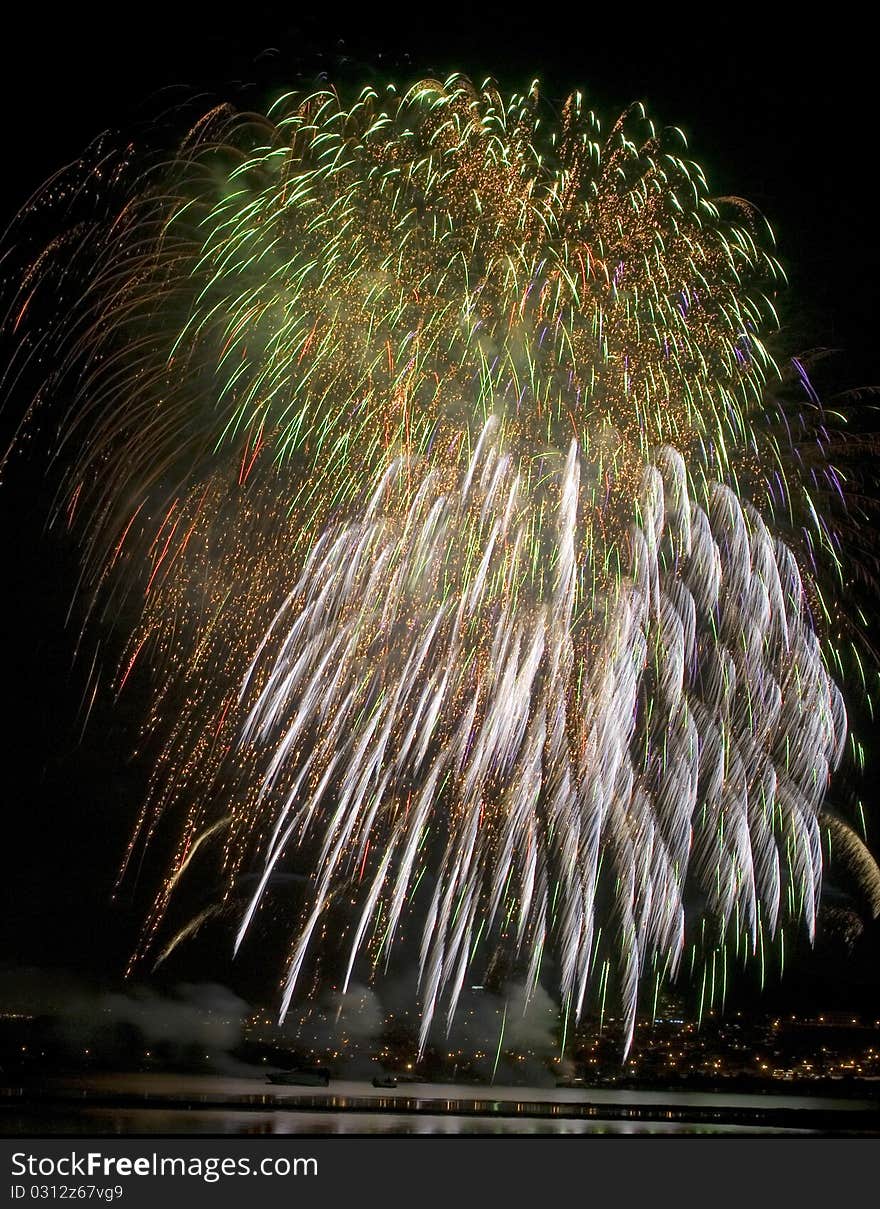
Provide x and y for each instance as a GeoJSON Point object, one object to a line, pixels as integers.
{"type": "Point", "coordinates": [781, 115]}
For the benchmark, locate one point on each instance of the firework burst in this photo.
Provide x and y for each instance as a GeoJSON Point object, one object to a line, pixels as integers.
{"type": "Point", "coordinates": [428, 439]}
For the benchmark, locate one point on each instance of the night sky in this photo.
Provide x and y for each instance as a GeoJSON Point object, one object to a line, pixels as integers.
{"type": "Point", "coordinates": [781, 117]}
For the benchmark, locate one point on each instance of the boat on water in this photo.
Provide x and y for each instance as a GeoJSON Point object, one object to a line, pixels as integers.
{"type": "Point", "coordinates": [317, 1076]}
{"type": "Point", "coordinates": [384, 1081]}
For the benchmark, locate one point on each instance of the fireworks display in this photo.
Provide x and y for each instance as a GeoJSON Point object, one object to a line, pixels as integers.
{"type": "Point", "coordinates": [428, 447]}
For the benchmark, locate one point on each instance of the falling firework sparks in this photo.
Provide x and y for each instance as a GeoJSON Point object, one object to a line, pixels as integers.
{"type": "Point", "coordinates": [428, 439]}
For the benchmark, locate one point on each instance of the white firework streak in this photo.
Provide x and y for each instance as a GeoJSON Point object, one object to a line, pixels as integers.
{"type": "Point", "coordinates": [425, 673]}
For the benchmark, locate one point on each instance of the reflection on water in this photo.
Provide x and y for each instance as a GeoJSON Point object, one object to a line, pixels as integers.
{"type": "Point", "coordinates": [159, 1121]}
{"type": "Point", "coordinates": [177, 1104]}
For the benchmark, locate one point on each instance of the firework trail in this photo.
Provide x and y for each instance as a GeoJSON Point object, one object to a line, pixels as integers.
{"type": "Point", "coordinates": [427, 441]}
{"type": "Point", "coordinates": [468, 700]}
